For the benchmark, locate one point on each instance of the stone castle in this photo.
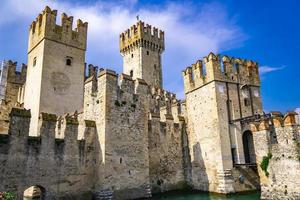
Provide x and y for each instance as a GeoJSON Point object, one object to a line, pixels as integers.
{"type": "Point", "coordinates": [68, 134]}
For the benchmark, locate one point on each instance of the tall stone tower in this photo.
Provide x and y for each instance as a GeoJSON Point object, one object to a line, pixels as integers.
{"type": "Point", "coordinates": [220, 93]}
{"type": "Point", "coordinates": [141, 47]}
{"type": "Point", "coordinates": [56, 57]}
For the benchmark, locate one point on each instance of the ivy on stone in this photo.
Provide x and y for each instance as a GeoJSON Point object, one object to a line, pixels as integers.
{"type": "Point", "coordinates": [298, 150]}
{"type": "Point", "coordinates": [7, 196]}
{"type": "Point", "coordinates": [265, 163]}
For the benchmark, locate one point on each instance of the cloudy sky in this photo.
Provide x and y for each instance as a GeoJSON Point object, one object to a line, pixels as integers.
{"type": "Point", "coordinates": [264, 32]}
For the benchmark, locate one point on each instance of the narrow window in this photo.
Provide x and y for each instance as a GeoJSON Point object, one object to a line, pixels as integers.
{"type": "Point", "coordinates": [233, 155]}
{"type": "Point", "coordinates": [34, 61]}
{"type": "Point", "coordinates": [120, 160]}
{"type": "Point", "coordinates": [131, 55]}
{"type": "Point", "coordinates": [69, 61]}
{"type": "Point", "coordinates": [131, 73]}
{"type": "Point", "coordinates": [148, 53]}
{"type": "Point", "coordinates": [246, 101]}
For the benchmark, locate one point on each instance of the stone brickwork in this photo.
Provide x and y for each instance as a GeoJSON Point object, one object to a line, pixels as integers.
{"type": "Point", "coordinates": [56, 160]}
{"type": "Point", "coordinates": [122, 126]}
{"type": "Point", "coordinates": [165, 154]}
{"type": "Point", "coordinates": [11, 83]}
{"type": "Point", "coordinates": [56, 58]}
{"type": "Point", "coordinates": [130, 136]}
{"type": "Point", "coordinates": [110, 136]}
{"type": "Point", "coordinates": [141, 47]}
{"type": "Point", "coordinates": [278, 141]}
{"type": "Point", "coordinates": [217, 93]}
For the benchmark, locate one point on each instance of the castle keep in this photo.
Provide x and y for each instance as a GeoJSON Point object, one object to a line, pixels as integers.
{"type": "Point", "coordinates": [68, 134]}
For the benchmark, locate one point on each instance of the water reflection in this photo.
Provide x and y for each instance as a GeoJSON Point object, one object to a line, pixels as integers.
{"type": "Point", "coordinates": [206, 196]}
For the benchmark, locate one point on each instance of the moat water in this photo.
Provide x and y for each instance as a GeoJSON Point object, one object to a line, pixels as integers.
{"type": "Point", "coordinates": [206, 196]}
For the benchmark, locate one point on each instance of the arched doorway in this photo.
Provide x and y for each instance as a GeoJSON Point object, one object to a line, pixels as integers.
{"type": "Point", "coordinates": [249, 150]}
{"type": "Point", "coordinates": [34, 193]}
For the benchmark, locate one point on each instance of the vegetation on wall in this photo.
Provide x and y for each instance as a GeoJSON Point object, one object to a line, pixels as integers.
{"type": "Point", "coordinates": [265, 163]}
{"type": "Point", "coordinates": [298, 150]}
{"type": "Point", "coordinates": [7, 196]}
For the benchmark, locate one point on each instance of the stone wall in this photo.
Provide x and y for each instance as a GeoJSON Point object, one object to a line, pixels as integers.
{"type": "Point", "coordinates": [166, 130]}
{"type": "Point", "coordinates": [126, 151]}
{"type": "Point", "coordinates": [56, 160]}
{"type": "Point", "coordinates": [166, 154]}
{"type": "Point", "coordinates": [277, 148]}
{"type": "Point", "coordinates": [120, 108]}
{"type": "Point", "coordinates": [142, 152]}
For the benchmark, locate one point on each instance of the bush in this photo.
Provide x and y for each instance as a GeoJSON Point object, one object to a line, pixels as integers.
{"type": "Point", "coordinates": [298, 150]}
{"type": "Point", "coordinates": [265, 163]}
{"type": "Point", "coordinates": [7, 196]}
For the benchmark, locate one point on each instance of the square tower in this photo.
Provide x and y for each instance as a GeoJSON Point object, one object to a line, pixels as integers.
{"type": "Point", "coordinates": [56, 63]}
{"type": "Point", "coordinates": [141, 47]}
{"type": "Point", "coordinates": [220, 94]}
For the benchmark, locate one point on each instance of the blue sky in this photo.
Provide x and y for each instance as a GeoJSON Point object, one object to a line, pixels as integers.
{"type": "Point", "coordinates": [264, 31]}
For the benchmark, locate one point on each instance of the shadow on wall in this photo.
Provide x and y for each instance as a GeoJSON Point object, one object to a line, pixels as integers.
{"type": "Point", "coordinates": [200, 177]}
{"type": "Point", "coordinates": [187, 166]}
{"type": "Point", "coordinates": [98, 172]}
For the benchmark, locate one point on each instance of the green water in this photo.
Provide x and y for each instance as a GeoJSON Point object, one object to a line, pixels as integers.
{"type": "Point", "coordinates": [206, 196]}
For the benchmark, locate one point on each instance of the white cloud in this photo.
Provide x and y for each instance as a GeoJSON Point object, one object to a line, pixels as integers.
{"type": "Point", "coordinates": [191, 30]}
{"type": "Point", "coordinates": [268, 69]}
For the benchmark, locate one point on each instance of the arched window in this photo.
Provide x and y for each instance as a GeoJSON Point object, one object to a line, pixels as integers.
{"type": "Point", "coordinates": [69, 61]}
{"type": "Point", "coordinates": [131, 73]}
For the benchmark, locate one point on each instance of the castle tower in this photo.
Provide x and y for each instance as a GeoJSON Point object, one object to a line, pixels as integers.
{"type": "Point", "coordinates": [11, 82]}
{"type": "Point", "coordinates": [141, 47]}
{"type": "Point", "coordinates": [56, 57]}
{"type": "Point", "coordinates": [220, 93]}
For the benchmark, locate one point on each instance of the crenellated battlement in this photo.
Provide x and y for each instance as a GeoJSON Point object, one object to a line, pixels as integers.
{"type": "Point", "coordinates": [122, 90]}
{"type": "Point", "coordinates": [225, 68]}
{"type": "Point", "coordinates": [277, 121]}
{"type": "Point", "coordinates": [9, 72]}
{"type": "Point", "coordinates": [277, 149]}
{"type": "Point", "coordinates": [142, 35]}
{"type": "Point", "coordinates": [50, 158]}
{"type": "Point", "coordinates": [45, 27]}
{"type": "Point", "coordinates": [161, 94]}
{"type": "Point", "coordinates": [164, 105]}
{"type": "Point", "coordinates": [127, 91]}
{"type": "Point", "coordinates": [122, 83]}
{"type": "Point", "coordinates": [60, 126]}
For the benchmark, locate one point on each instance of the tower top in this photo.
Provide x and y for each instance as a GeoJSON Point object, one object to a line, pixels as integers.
{"type": "Point", "coordinates": [45, 27]}
{"type": "Point", "coordinates": [141, 35]}
{"type": "Point", "coordinates": [220, 68]}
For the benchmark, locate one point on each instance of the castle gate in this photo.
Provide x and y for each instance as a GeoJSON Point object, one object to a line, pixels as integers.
{"type": "Point", "coordinates": [248, 145]}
